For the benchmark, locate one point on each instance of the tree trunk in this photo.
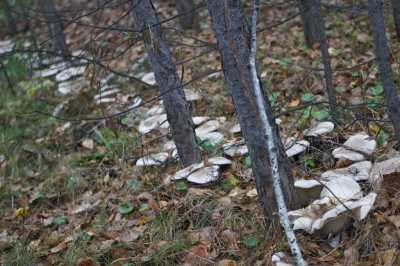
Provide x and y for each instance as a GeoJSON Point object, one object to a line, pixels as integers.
{"type": "Point", "coordinates": [310, 22]}
{"type": "Point", "coordinates": [178, 111]}
{"type": "Point", "coordinates": [233, 37]}
{"type": "Point", "coordinates": [396, 16]}
{"type": "Point", "coordinates": [375, 12]}
{"type": "Point", "coordinates": [9, 17]}
{"type": "Point", "coordinates": [186, 13]}
{"type": "Point", "coordinates": [326, 58]}
{"type": "Point", "coordinates": [56, 28]}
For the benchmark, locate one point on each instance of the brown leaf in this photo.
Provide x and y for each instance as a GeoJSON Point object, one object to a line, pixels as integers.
{"type": "Point", "coordinates": [86, 262]}
{"type": "Point", "coordinates": [150, 200]}
{"type": "Point", "coordinates": [231, 239]}
{"type": "Point", "coordinates": [60, 247]}
{"type": "Point", "coordinates": [195, 254]}
{"type": "Point", "coordinates": [226, 262]}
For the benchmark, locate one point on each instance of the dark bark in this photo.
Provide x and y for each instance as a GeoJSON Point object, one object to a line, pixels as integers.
{"type": "Point", "coordinates": [187, 13]}
{"type": "Point", "coordinates": [326, 58]}
{"type": "Point", "coordinates": [11, 23]}
{"type": "Point", "coordinates": [375, 12]}
{"type": "Point", "coordinates": [233, 38]}
{"type": "Point", "coordinates": [178, 111]}
{"type": "Point", "coordinates": [55, 26]}
{"type": "Point", "coordinates": [396, 16]}
{"type": "Point", "coordinates": [310, 22]}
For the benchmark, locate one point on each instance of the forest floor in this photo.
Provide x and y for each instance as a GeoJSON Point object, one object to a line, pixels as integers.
{"type": "Point", "coordinates": [71, 192]}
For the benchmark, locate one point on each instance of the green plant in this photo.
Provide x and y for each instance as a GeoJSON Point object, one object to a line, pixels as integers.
{"type": "Point", "coordinates": [19, 255]}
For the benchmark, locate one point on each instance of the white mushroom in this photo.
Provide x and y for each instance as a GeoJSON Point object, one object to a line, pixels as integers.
{"type": "Point", "coordinates": [359, 142]}
{"type": "Point", "coordinates": [357, 171]}
{"type": "Point", "coordinates": [149, 78]}
{"type": "Point", "coordinates": [152, 122]}
{"type": "Point", "coordinates": [320, 129]}
{"type": "Point", "coordinates": [204, 175]}
{"type": "Point", "coordinates": [294, 147]}
{"type": "Point", "coordinates": [152, 159]}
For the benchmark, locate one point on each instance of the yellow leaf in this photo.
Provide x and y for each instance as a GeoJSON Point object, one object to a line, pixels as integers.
{"type": "Point", "coordinates": [21, 212]}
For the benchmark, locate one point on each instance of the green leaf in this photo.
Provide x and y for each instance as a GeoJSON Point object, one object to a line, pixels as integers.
{"type": "Point", "coordinates": [247, 161]}
{"type": "Point", "coordinates": [181, 186]}
{"type": "Point", "coordinates": [250, 241]}
{"type": "Point", "coordinates": [125, 208]}
{"type": "Point", "coordinates": [133, 184]}
{"type": "Point", "coordinates": [230, 183]}
{"type": "Point", "coordinates": [273, 98]}
{"type": "Point", "coordinates": [377, 90]}
{"type": "Point", "coordinates": [320, 114]}
{"type": "Point", "coordinates": [381, 138]}
{"type": "Point", "coordinates": [307, 97]}
{"type": "Point", "coordinates": [143, 207]}
{"type": "Point", "coordinates": [340, 89]}
{"type": "Point", "coordinates": [286, 62]}
{"type": "Point", "coordinates": [60, 220]}
{"type": "Point", "coordinates": [309, 162]}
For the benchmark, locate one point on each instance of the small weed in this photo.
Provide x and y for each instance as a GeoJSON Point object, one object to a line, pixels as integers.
{"type": "Point", "coordinates": [20, 255]}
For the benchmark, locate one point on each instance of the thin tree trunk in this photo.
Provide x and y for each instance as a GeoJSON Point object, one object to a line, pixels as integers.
{"type": "Point", "coordinates": [178, 111]}
{"type": "Point", "coordinates": [56, 28]}
{"type": "Point", "coordinates": [10, 17]}
{"type": "Point", "coordinates": [326, 58]}
{"type": "Point", "coordinates": [232, 33]}
{"type": "Point", "coordinates": [187, 13]}
{"type": "Point", "coordinates": [375, 12]}
{"type": "Point", "coordinates": [271, 144]}
{"type": "Point", "coordinates": [396, 16]}
{"type": "Point", "coordinates": [310, 22]}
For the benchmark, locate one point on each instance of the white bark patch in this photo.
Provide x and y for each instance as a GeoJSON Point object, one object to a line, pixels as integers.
{"type": "Point", "coordinates": [320, 129]}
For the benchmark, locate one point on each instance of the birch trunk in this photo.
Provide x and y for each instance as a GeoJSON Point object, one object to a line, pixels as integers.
{"type": "Point", "coordinates": [376, 17]}
{"type": "Point", "coordinates": [271, 144]}
{"type": "Point", "coordinates": [232, 33]}
{"type": "Point", "coordinates": [178, 111]}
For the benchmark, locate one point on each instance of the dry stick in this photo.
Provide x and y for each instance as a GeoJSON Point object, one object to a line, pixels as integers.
{"type": "Point", "coordinates": [271, 145]}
